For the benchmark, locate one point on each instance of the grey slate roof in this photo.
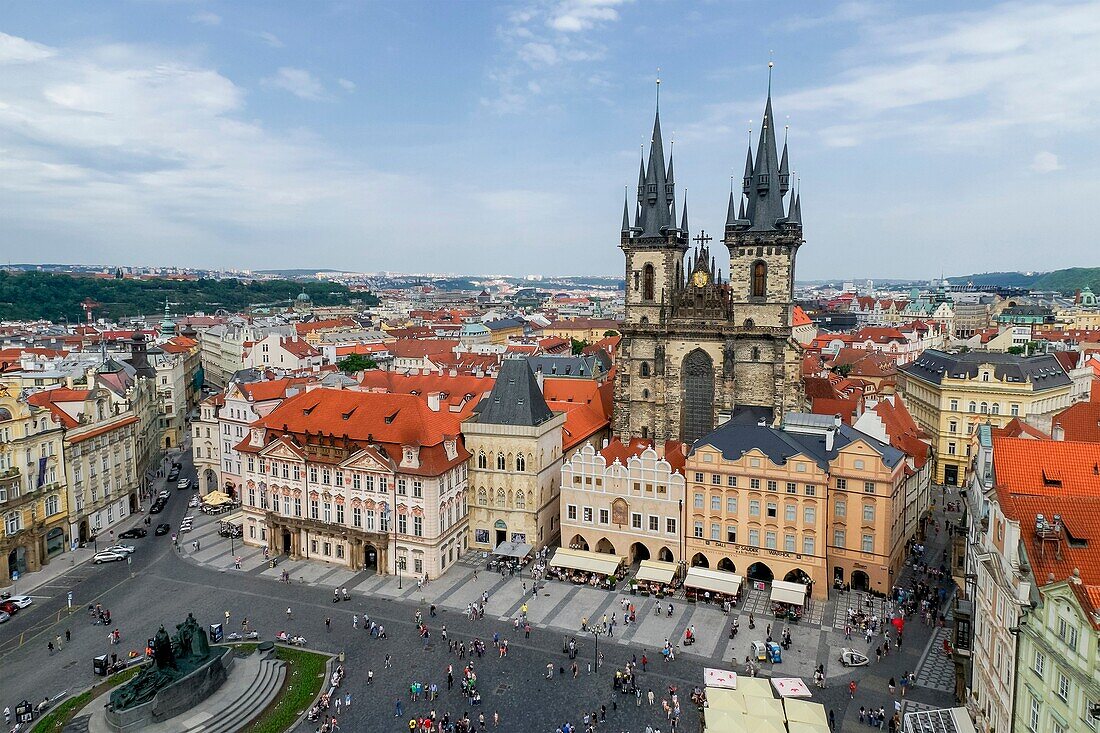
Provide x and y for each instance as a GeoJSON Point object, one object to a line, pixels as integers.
{"type": "Point", "coordinates": [516, 398]}
{"type": "Point", "coordinates": [765, 183]}
{"type": "Point", "coordinates": [779, 445]}
{"type": "Point", "coordinates": [1043, 371]}
{"type": "Point", "coordinates": [584, 367]}
{"type": "Point", "coordinates": [503, 323]}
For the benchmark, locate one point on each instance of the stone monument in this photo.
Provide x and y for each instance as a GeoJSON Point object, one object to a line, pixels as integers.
{"type": "Point", "coordinates": [184, 672]}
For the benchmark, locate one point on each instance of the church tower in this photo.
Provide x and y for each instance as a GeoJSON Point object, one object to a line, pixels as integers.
{"type": "Point", "coordinates": [698, 350]}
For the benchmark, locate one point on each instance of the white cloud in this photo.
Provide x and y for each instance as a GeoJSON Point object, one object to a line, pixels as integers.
{"type": "Point", "coordinates": [1045, 162]}
{"type": "Point", "coordinates": [205, 17]}
{"type": "Point", "coordinates": [571, 16]}
{"type": "Point", "coordinates": [346, 84]}
{"type": "Point", "coordinates": [15, 50]}
{"type": "Point", "coordinates": [298, 82]}
{"type": "Point", "coordinates": [270, 39]}
{"type": "Point", "coordinates": [546, 34]}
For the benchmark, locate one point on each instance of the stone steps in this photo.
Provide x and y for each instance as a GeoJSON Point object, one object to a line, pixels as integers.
{"type": "Point", "coordinates": [260, 692]}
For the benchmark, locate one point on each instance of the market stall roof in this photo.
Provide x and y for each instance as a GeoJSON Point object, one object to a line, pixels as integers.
{"type": "Point", "coordinates": [754, 686]}
{"type": "Point", "coordinates": [799, 726]}
{"type": "Point", "coordinates": [792, 593]}
{"type": "Point", "coordinates": [804, 711]}
{"type": "Point", "coordinates": [716, 581]}
{"type": "Point", "coordinates": [723, 678]}
{"type": "Point", "coordinates": [758, 707]}
{"type": "Point", "coordinates": [589, 562]}
{"type": "Point", "coordinates": [216, 498]}
{"type": "Point", "coordinates": [656, 571]}
{"type": "Point", "coordinates": [518, 550]}
{"type": "Point", "coordinates": [790, 687]}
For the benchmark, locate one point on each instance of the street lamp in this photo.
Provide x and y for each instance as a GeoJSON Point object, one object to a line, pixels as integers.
{"type": "Point", "coordinates": [596, 654]}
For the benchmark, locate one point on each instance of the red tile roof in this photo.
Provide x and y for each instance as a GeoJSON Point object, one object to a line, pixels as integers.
{"type": "Point", "coordinates": [674, 451]}
{"type": "Point", "coordinates": [1017, 428]}
{"type": "Point", "coordinates": [1053, 478]}
{"type": "Point", "coordinates": [299, 348]}
{"type": "Point", "coordinates": [389, 421]}
{"type": "Point", "coordinates": [105, 429]}
{"type": "Point", "coordinates": [584, 406]}
{"type": "Point", "coordinates": [904, 433]}
{"type": "Point", "coordinates": [272, 389]}
{"type": "Point", "coordinates": [331, 324]}
{"type": "Point", "coordinates": [1081, 422]}
{"type": "Point", "coordinates": [799, 317]}
{"type": "Point", "coordinates": [460, 391]}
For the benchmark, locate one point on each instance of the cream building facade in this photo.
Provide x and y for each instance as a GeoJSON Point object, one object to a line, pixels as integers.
{"type": "Point", "coordinates": [625, 500]}
{"type": "Point", "coordinates": [950, 393]}
{"type": "Point", "coordinates": [515, 445]}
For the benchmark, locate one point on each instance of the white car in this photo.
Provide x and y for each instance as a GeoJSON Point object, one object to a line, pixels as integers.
{"type": "Point", "coordinates": [4, 616]}
{"type": "Point", "coordinates": [21, 601]}
{"type": "Point", "coordinates": [105, 556]}
{"type": "Point", "coordinates": [121, 549]}
{"type": "Point", "coordinates": [183, 483]}
{"type": "Point", "coordinates": [164, 494]}
{"type": "Point", "coordinates": [193, 503]}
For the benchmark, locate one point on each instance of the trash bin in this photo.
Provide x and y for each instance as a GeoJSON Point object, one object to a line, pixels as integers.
{"type": "Point", "coordinates": [216, 633]}
{"type": "Point", "coordinates": [341, 657]}
{"type": "Point", "coordinates": [99, 665]}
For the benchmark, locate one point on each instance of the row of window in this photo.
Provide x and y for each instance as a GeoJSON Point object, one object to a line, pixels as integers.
{"type": "Point", "coordinates": [652, 522]}
{"type": "Point", "coordinates": [985, 408]}
{"type": "Point", "coordinates": [754, 483]}
{"type": "Point", "coordinates": [368, 519]}
{"type": "Point", "coordinates": [504, 463]}
{"type": "Point", "coordinates": [809, 542]}
{"type": "Point", "coordinates": [790, 510]}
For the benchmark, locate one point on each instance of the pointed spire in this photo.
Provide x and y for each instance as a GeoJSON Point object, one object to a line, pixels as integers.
{"type": "Point", "coordinates": [794, 216]}
{"type": "Point", "coordinates": [684, 219]}
{"type": "Point", "coordinates": [747, 178]}
{"type": "Point", "coordinates": [766, 187]}
{"type": "Point", "coordinates": [731, 211]}
{"type": "Point", "coordinates": [656, 189]}
{"type": "Point", "coordinates": [641, 175]}
{"type": "Point", "coordinates": [626, 210]}
{"type": "Point", "coordinates": [784, 168]}
{"type": "Point", "coordinates": [741, 214]}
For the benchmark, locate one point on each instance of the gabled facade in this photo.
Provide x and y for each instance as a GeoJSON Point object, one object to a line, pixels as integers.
{"type": "Point", "coordinates": [368, 481]}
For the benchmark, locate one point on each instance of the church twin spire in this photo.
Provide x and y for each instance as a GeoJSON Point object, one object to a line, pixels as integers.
{"type": "Point", "coordinates": [759, 206]}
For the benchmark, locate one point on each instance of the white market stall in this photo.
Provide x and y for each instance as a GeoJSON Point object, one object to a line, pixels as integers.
{"type": "Point", "coordinates": [584, 567]}
{"type": "Point", "coordinates": [715, 585]}
{"type": "Point", "coordinates": [788, 599]}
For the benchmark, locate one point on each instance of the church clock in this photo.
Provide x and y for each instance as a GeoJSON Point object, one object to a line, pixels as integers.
{"type": "Point", "coordinates": [700, 279]}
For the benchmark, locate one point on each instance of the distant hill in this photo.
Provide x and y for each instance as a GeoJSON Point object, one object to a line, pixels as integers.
{"type": "Point", "coordinates": [1065, 281]}
{"type": "Point", "coordinates": [34, 295]}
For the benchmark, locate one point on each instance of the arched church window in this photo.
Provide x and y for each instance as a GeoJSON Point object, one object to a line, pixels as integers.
{"type": "Point", "coordinates": [759, 279]}
{"type": "Point", "coordinates": [482, 462]}
{"type": "Point", "coordinates": [756, 353]}
{"type": "Point", "coordinates": [749, 323]}
{"type": "Point", "coordinates": [500, 461]}
{"type": "Point", "coordinates": [644, 371]}
{"type": "Point", "coordinates": [637, 279]}
{"type": "Point", "coordinates": [521, 463]}
{"type": "Point", "coordinates": [647, 282]}
{"type": "Point", "coordinates": [645, 394]}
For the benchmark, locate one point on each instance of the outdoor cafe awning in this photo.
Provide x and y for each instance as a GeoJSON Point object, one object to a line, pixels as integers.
{"type": "Point", "coordinates": [716, 581]}
{"type": "Point", "coordinates": [518, 550]}
{"type": "Point", "coordinates": [792, 593]}
{"type": "Point", "coordinates": [234, 518]}
{"type": "Point", "coordinates": [589, 562]}
{"type": "Point", "coordinates": [216, 498]}
{"type": "Point", "coordinates": [656, 571]}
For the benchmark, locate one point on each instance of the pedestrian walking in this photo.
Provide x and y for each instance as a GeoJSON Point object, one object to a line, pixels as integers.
{"type": "Point", "coordinates": [50, 645]}
{"type": "Point", "coordinates": [347, 701]}
{"type": "Point", "coordinates": [397, 708]}
{"type": "Point", "coordinates": [328, 624]}
{"type": "Point", "coordinates": [355, 621]}
{"type": "Point", "coordinates": [68, 635]}
{"type": "Point", "coordinates": [649, 697]}
{"type": "Point", "coordinates": [852, 690]}
{"type": "Point", "coordinates": [289, 615]}
{"type": "Point", "coordinates": [57, 642]}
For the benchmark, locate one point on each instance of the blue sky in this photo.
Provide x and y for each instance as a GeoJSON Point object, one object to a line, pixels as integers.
{"type": "Point", "coordinates": [478, 137]}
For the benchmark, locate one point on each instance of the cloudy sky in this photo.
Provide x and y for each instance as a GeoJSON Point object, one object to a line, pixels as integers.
{"type": "Point", "coordinates": [481, 137]}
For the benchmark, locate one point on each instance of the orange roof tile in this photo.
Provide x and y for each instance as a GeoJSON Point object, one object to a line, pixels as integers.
{"type": "Point", "coordinates": [105, 429]}
{"type": "Point", "coordinates": [272, 389]}
{"type": "Point", "coordinates": [674, 451]}
{"type": "Point", "coordinates": [1080, 422]}
{"type": "Point", "coordinates": [1017, 428]}
{"type": "Point", "coordinates": [799, 317]}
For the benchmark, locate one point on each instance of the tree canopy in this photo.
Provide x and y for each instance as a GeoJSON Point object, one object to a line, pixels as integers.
{"type": "Point", "coordinates": [56, 297]}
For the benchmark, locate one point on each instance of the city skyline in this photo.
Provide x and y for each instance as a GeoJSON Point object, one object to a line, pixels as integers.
{"type": "Point", "coordinates": [483, 136]}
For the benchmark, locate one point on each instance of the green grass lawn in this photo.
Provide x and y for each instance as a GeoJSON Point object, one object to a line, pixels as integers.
{"type": "Point", "coordinates": [60, 716]}
{"type": "Point", "coordinates": [306, 672]}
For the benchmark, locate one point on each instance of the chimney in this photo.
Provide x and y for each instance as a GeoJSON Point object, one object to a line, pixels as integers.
{"type": "Point", "coordinates": [1058, 432]}
{"type": "Point", "coordinates": [538, 378]}
{"type": "Point", "coordinates": [830, 435]}
{"type": "Point", "coordinates": [433, 401]}
{"type": "Point", "coordinates": [837, 422]}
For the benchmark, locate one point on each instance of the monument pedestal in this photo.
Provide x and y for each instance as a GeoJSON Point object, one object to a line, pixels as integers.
{"type": "Point", "coordinates": [180, 696]}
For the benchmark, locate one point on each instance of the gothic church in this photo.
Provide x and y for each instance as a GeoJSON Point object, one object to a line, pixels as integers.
{"type": "Point", "coordinates": [699, 349]}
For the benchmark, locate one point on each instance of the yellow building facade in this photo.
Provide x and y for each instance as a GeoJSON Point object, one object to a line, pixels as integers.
{"type": "Point", "coordinates": [950, 394]}
{"type": "Point", "coordinates": [33, 504]}
{"type": "Point", "coordinates": [812, 502]}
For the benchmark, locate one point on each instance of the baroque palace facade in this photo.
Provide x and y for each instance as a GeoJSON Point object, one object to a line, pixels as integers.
{"type": "Point", "coordinates": [699, 349]}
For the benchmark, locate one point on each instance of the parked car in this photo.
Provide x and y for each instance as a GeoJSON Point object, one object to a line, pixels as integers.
{"type": "Point", "coordinates": [184, 483]}
{"type": "Point", "coordinates": [157, 508]}
{"type": "Point", "coordinates": [21, 601]}
{"type": "Point", "coordinates": [173, 474]}
{"type": "Point", "coordinates": [164, 494]}
{"type": "Point", "coordinates": [132, 534]}
{"type": "Point", "coordinates": [4, 616]}
{"type": "Point", "coordinates": [9, 608]}
{"type": "Point", "coordinates": [162, 529]}
{"type": "Point", "coordinates": [106, 556]}
{"type": "Point", "coordinates": [121, 549]}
